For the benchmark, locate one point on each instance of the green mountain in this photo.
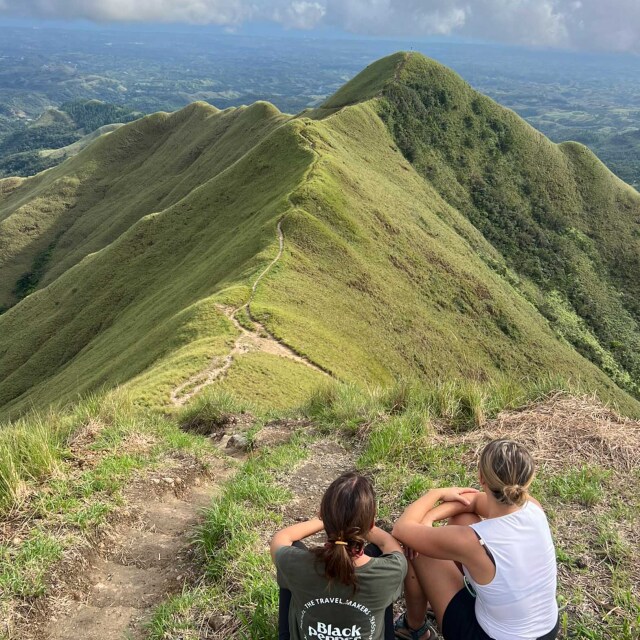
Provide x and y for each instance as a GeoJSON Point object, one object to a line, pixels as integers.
{"type": "Point", "coordinates": [427, 233]}
{"type": "Point", "coordinates": [31, 149]}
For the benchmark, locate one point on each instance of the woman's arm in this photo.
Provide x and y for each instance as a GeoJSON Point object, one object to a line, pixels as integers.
{"type": "Point", "coordinates": [384, 540]}
{"type": "Point", "coordinates": [287, 536]}
{"type": "Point", "coordinates": [447, 510]}
{"type": "Point", "coordinates": [420, 509]}
{"type": "Point", "coordinates": [450, 543]}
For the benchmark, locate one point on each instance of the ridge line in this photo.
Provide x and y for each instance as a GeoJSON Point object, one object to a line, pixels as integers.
{"type": "Point", "coordinates": [195, 383]}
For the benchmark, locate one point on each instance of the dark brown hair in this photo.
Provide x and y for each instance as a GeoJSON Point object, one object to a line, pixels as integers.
{"type": "Point", "coordinates": [348, 510]}
{"type": "Point", "coordinates": [508, 470]}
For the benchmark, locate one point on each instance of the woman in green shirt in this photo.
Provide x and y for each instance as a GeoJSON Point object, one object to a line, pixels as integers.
{"type": "Point", "coordinates": [338, 591]}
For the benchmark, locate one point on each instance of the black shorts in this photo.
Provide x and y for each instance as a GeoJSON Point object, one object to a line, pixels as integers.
{"type": "Point", "coordinates": [459, 620]}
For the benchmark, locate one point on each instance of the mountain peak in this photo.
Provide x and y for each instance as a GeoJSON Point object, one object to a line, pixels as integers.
{"type": "Point", "coordinates": [401, 67]}
{"type": "Point", "coordinates": [369, 82]}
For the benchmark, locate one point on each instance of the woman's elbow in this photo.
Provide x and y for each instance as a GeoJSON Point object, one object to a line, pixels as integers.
{"type": "Point", "coordinates": [398, 531]}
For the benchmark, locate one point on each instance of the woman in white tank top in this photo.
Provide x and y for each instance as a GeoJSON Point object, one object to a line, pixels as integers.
{"type": "Point", "coordinates": [490, 574]}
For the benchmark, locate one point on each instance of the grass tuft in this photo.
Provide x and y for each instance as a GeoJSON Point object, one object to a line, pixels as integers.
{"type": "Point", "coordinates": [209, 411]}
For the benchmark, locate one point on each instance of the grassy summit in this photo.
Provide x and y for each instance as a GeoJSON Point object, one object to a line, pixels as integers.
{"type": "Point", "coordinates": [428, 233]}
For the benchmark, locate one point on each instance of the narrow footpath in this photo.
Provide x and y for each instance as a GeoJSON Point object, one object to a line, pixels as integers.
{"type": "Point", "coordinates": [256, 339]}
{"type": "Point", "coordinates": [143, 561]}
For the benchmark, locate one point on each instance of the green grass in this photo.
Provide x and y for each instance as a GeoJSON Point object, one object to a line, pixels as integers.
{"type": "Point", "coordinates": [210, 411]}
{"type": "Point", "coordinates": [585, 485]}
{"type": "Point", "coordinates": [270, 382]}
{"type": "Point", "coordinates": [429, 234]}
{"type": "Point", "coordinates": [38, 447]}
{"type": "Point", "coordinates": [23, 570]}
{"type": "Point", "coordinates": [463, 404]}
{"type": "Point", "coordinates": [30, 450]}
{"type": "Point", "coordinates": [238, 575]}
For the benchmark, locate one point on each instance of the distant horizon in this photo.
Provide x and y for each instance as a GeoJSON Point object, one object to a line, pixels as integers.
{"type": "Point", "coordinates": [270, 30]}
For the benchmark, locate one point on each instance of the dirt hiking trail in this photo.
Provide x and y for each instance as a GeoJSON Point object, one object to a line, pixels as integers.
{"type": "Point", "coordinates": [149, 556]}
{"type": "Point", "coordinates": [311, 478]}
{"type": "Point", "coordinates": [256, 339]}
{"type": "Point", "coordinates": [143, 561]}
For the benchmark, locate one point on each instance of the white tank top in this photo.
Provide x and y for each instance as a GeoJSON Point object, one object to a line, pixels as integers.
{"type": "Point", "coordinates": [520, 602]}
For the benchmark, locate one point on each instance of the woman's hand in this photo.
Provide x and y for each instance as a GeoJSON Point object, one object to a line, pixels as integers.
{"type": "Point", "coordinates": [287, 536]}
{"type": "Point", "coordinates": [410, 554]}
{"type": "Point", "coordinates": [458, 494]}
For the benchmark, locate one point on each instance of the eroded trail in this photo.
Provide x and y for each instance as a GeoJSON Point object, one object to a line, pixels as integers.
{"type": "Point", "coordinates": [257, 339]}
{"type": "Point", "coordinates": [142, 563]}
{"type": "Point", "coordinates": [310, 479]}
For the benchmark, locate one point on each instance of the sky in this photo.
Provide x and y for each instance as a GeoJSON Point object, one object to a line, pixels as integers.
{"type": "Point", "coordinates": [587, 25]}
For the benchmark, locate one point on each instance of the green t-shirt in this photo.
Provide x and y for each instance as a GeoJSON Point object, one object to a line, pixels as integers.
{"type": "Point", "coordinates": [323, 611]}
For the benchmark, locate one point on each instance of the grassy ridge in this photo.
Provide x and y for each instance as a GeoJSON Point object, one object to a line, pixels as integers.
{"type": "Point", "coordinates": [428, 233]}
{"type": "Point", "coordinates": [558, 217]}
{"type": "Point", "coordinates": [150, 296]}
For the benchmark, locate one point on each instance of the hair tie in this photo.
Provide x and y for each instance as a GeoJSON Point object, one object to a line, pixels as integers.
{"type": "Point", "coordinates": [342, 542]}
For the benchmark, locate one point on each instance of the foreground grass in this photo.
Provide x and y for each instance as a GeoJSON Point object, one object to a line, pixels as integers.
{"type": "Point", "coordinates": [463, 404]}
{"type": "Point", "coordinates": [62, 476]}
{"type": "Point", "coordinates": [410, 439]}
{"type": "Point", "coordinates": [60, 488]}
{"type": "Point", "coordinates": [238, 577]}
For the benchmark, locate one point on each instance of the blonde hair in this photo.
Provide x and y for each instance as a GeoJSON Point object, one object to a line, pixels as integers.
{"type": "Point", "coordinates": [508, 469]}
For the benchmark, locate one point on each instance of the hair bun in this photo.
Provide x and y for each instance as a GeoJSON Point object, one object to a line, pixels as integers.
{"type": "Point", "coordinates": [513, 493]}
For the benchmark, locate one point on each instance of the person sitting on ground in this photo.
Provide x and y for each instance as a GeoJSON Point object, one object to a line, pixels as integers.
{"type": "Point", "coordinates": [490, 574]}
{"type": "Point", "coordinates": [344, 588]}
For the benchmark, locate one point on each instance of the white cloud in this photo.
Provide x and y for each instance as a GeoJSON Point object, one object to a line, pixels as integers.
{"type": "Point", "coordinates": [302, 15]}
{"type": "Point", "coordinates": [586, 24]}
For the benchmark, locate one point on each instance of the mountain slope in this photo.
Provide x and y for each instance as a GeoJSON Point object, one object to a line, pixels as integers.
{"type": "Point", "coordinates": [559, 218]}
{"type": "Point", "coordinates": [50, 222]}
{"type": "Point", "coordinates": [149, 292]}
{"type": "Point", "coordinates": [408, 250]}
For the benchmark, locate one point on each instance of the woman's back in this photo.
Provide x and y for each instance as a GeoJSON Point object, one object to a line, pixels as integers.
{"type": "Point", "coordinates": [520, 601]}
{"type": "Point", "coordinates": [323, 609]}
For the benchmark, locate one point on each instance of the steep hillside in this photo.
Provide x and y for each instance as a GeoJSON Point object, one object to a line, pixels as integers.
{"type": "Point", "coordinates": [50, 222]}
{"type": "Point", "coordinates": [408, 251]}
{"type": "Point", "coordinates": [21, 150]}
{"type": "Point", "coordinates": [559, 218]}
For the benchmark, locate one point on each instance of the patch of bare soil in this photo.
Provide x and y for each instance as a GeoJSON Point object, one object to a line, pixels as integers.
{"type": "Point", "coordinates": [108, 593]}
{"type": "Point", "coordinates": [328, 460]}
